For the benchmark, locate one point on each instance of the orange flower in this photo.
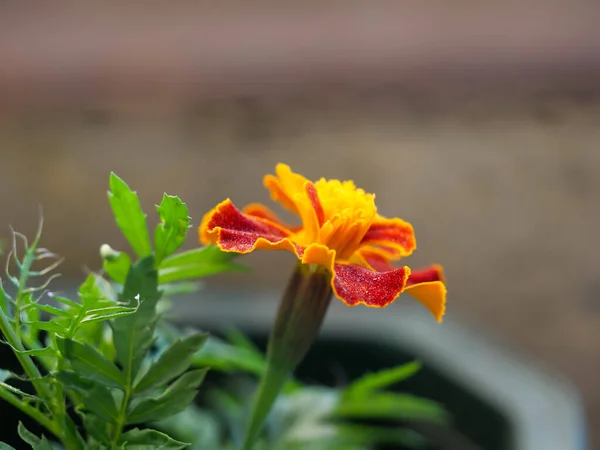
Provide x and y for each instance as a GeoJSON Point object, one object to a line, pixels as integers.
{"type": "Point", "coordinates": [341, 230]}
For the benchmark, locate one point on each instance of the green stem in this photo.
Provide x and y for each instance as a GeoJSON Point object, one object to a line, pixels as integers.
{"type": "Point", "coordinates": [122, 416]}
{"type": "Point", "coordinates": [32, 412]}
{"type": "Point", "coordinates": [299, 318]}
{"type": "Point", "coordinates": [35, 376]}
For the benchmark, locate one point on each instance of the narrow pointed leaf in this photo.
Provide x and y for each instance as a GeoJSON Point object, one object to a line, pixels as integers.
{"type": "Point", "coordinates": [31, 439]}
{"type": "Point", "coordinates": [129, 215]}
{"type": "Point", "coordinates": [147, 439]}
{"type": "Point", "coordinates": [389, 405]}
{"type": "Point", "coordinates": [382, 379]}
{"type": "Point", "coordinates": [91, 364]}
{"type": "Point", "coordinates": [172, 363]}
{"type": "Point", "coordinates": [196, 263]}
{"type": "Point", "coordinates": [174, 400]}
{"type": "Point", "coordinates": [100, 401]}
{"type": "Point", "coordinates": [54, 310]}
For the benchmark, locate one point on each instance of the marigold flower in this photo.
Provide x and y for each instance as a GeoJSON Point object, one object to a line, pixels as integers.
{"type": "Point", "coordinates": [341, 230]}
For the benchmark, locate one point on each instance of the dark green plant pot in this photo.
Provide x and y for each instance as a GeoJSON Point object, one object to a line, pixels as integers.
{"type": "Point", "coordinates": [498, 400]}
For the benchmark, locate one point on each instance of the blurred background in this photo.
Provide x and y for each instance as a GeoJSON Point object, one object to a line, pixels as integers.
{"type": "Point", "coordinates": [477, 122]}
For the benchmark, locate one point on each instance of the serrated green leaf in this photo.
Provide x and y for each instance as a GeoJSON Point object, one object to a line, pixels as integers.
{"type": "Point", "coordinates": [137, 439]}
{"type": "Point", "coordinates": [129, 216]}
{"type": "Point", "coordinates": [31, 439]}
{"type": "Point", "coordinates": [389, 405]}
{"type": "Point", "coordinates": [172, 363]}
{"type": "Point", "coordinates": [100, 401]}
{"type": "Point", "coordinates": [133, 334]}
{"type": "Point", "coordinates": [174, 223]}
{"type": "Point", "coordinates": [174, 400]}
{"type": "Point", "coordinates": [117, 265]}
{"type": "Point", "coordinates": [196, 263]}
{"type": "Point", "coordinates": [382, 379]}
{"type": "Point", "coordinates": [89, 363]}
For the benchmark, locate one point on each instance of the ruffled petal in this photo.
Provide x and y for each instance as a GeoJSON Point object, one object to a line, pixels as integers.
{"type": "Point", "coordinates": [427, 286]}
{"type": "Point", "coordinates": [262, 212]}
{"type": "Point", "coordinates": [233, 231]}
{"type": "Point", "coordinates": [375, 260]}
{"type": "Point", "coordinates": [284, 185]}
{"type": "Point", "coordinates": [354, 284]}
{"type": "Point", "coordinates": [392, 238]}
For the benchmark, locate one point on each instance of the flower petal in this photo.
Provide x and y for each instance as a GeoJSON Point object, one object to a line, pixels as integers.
{"type": "Point", "coordinates": [354, 284]}
{"type": "Point", "coordinates": [427, 286]}
{"type": "Point", "coordinates": [393, 238]}
{"type": "Point", "coordinates": [233, 231]}
{"type": "Point", "coordinates": [284, 185]}
{"type": "Point", "coordinates": [262, 212]}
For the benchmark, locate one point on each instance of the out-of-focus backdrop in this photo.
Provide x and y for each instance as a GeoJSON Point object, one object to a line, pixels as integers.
{"type": "Point", "coordinates": [479, 123]}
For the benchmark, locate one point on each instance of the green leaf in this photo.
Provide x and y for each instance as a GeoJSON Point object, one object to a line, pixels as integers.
{"type": "Point", "coordinates": [37, 352]}
{"type": "Point", "coordinates": [172, 363]}
{"type": "Point", "coordinates": [5, 446]}
{"type": "Point", "coordinates": [65, 301]}
{"type": "Point", "coordinates": [4, 299]}
{"type": "Point", "coordinates": [100, 401]}
{"type": "Point", "coordinates": [174, 223]}
{"type": "Point", "coordinates": [54, 310]}
{"type": "Point", "coordinates": [196, 263]}
{"type": "Point", "coordinates": [90, 293]}
{"type": "Point", "coordinates": [174, 400]}
{"type": "Point", "coordinates": [133, 334]}
{"type": "Point", "coordinates": [129, 215]}
{"type": "Point", "coordinates": [97, 428]}
{"type": "Point", "coordinates": [107, 313]}
{"type": "Point", "coordinates": [137, 439]}
{"type": "Point", "coordinates": [73, 381]}
{"type": "Point", "coordinates": [220, 355]}
{"type": "Point", "coordinates": [89, 363]}
{"type": "Point", "coordinates": [389, 405]}
{"type": "Point", "coordinates": [116, 263]}
{"type": "Point", "coordinates": [30, 438]}
{"type": "Point", "coordinates": [382, 379]}
{"type": "Point", "coordinates": [51, 326]}
{"type": "Point", "coordinates": [7, 374]}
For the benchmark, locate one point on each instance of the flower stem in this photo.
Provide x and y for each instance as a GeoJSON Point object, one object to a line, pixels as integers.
{"type": "Point", "coordinates": [32, 412]}
{"type": "Point", "coordinates": [299, 318]}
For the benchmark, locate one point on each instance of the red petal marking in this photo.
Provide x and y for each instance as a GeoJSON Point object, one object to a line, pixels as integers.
{"type": "Point", "coordinates": [233, 231]}
{"type": "Point", "coordinates": [377, 261]}
{"type": "Point", "coordinates": [431, 273]}
{"type": "Point", "coordinates": [313, 196]}
{"type": "Point", "coordinates": [262, 212]}
{"type": "Point", "coordinates": [394, 236]}
{"type": "Point", "coordinates": [355, 285]}
{"type": "Point", "coordinates": [427, 286]}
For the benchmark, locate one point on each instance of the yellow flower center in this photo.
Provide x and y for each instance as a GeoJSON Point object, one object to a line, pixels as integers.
{"type": "Point", "coordinates": [335, 214]}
